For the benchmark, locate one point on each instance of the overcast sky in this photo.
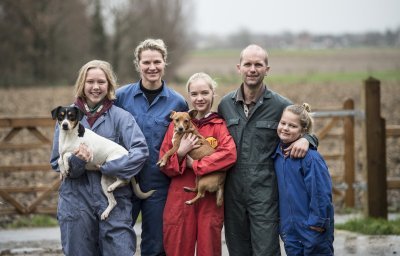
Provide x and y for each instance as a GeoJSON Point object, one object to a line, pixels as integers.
{"type": "Point", "coordinates": [314, 16]}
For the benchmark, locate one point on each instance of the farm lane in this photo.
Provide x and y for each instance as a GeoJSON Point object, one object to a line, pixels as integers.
{"type": "Point", "coordinates": [46, 241]}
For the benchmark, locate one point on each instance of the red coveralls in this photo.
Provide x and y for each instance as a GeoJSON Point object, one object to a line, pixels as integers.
{"type": "Point", "coordinates": [184, 225]}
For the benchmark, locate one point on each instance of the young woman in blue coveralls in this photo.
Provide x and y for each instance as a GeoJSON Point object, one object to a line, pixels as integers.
{"type": "Point", "coordinates": [305, 190]}
{"type": "Point", "coordinates": [151, 101]}
{"type": "Point", "coordinates": [81, 200]}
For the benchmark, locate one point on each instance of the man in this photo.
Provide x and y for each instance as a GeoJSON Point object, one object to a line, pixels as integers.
{"type": "Point", "coordinates": [252, 114]}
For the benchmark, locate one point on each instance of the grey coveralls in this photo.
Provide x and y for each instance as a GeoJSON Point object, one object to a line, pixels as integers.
{"type": "Point", "coordinates": [251, 192]}
{"type": "Point", "coordinates": [81, 199]}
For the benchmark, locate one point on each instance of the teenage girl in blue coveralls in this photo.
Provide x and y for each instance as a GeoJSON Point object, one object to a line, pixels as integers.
{"type": "Point", "coordinates": [305, 190]}
{"type": "Point", "coordinates": [81, 199]}
{"type": "Point", "coordinates": [151, 101]}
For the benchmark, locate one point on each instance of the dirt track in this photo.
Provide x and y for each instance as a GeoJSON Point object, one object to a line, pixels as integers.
{"type": "Point", "coordinates": [46, 242]}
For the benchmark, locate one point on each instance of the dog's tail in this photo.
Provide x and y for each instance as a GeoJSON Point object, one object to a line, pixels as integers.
{"type": "Point", "coordinates": [138, 192]}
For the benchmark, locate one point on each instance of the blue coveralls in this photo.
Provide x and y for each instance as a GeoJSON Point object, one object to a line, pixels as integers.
{"type": "Point", "coordinates": [305, 199]}
{"type": "Point", "coordinates": [153, 120]}
{"type": "Point", "coordinates": [81, 199]}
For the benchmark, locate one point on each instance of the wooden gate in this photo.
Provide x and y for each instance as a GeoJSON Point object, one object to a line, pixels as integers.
{"type": "Point", "coordinates": [41, 132]}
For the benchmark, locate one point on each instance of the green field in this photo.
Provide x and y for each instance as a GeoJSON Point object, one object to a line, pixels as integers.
{"type": "Point", "coordinates": [301, 66]}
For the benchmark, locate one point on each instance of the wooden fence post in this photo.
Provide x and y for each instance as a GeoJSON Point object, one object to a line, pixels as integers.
{"type": "Point", "coordinates": [374, 139]}
{"type": "Point", "coordinates": [349, 159]}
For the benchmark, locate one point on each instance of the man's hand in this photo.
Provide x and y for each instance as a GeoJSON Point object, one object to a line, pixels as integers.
{"type": "Point", "coordinates": [297, 149]}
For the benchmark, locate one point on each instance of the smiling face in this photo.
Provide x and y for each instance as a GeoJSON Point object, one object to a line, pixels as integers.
{"type": "Point", "coordinates": [253, 67]}
{"type": "Point", "coordinates": [151, 67]}
{"type": "Point", "coordinates": [201, 96]}
{"type": "Point", "coordinates": [96, 86]}
{"type": "Point", "coordinates": [289, 127]}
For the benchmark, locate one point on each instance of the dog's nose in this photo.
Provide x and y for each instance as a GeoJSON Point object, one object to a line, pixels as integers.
{"type": "Point", "coordinates": [180, 129]}
{"type": "Point", "coordinates": [65, 126]}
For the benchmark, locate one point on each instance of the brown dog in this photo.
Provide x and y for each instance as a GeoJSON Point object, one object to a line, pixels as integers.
{"type": "Point", "coordinates": [212, 182]}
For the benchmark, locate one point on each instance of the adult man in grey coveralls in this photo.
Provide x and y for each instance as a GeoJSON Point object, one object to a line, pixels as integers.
{"type": "Point", "coordinates": [252, 114]}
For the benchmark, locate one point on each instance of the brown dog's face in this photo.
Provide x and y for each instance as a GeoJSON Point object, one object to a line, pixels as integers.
{"type": "Point", "coordinates": [181, 121]}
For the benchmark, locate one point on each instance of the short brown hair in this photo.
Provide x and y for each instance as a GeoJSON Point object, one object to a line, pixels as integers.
{"type": "Point", "coordinates": [150, 44]}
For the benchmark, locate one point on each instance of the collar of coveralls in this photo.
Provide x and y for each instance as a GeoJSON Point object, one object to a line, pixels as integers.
{"type": "Point", "coordinates": [92, 117]}
{"type": "Point", "coordinates": [200, 122]}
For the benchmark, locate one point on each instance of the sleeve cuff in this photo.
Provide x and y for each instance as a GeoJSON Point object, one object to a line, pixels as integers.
{"type": "Point", "coordinates": [318, 222]}
{"type": "Point", "coordinates": [77, 166]}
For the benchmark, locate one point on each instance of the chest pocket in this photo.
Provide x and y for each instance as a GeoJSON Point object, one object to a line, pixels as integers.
{"type": "Point", "coordinates": [267, 125]}
{"type": "Point", "coordinates": [158, 131]}
{"type": "Point", "coordinates": [265, 132]}
{"type": "Point", "coordinates": [233, 127]}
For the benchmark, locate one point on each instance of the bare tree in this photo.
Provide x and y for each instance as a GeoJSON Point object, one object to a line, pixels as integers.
{"type": "Point", "coordinates": [99, 39]}
{"type": "Point", "coordinates": [46, 41]}
{"type": "Point", "coordinates": [41, 40]}
{"type": "Point", "coordinates": [137, 20]}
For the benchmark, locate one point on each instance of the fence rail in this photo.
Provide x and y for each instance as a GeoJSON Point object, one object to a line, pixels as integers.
{"type": "Point", "coordinates": [13, 128]}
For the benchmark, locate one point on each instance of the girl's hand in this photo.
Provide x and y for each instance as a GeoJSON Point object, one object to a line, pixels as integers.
{"type": "Point", "coordinates": [297, 149]}
{"type": "Point", "coordinates": [188, 143]}
{"type": "Point", "coordinates": [318, 229]}
{"type": "Point", "coordinates": [83, 152]}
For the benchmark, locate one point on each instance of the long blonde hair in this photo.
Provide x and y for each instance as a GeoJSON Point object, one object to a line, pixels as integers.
{"type": "Point", "coordinates": [108, 71]}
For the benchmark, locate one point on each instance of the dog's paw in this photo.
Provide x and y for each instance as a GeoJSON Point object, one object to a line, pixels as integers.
{"type": "Point", "coordinates": [111, 188]}
{"type": "Point", "coordinates": [64, 174]}
{"type": "Point", "coordinates": [104, 215]}
{"type": "Point", "coordinates": [189, 202]}
{"type": "Point", "coordinates": [161, 163]}
{"type": "Point", "coordinates": [187, 189]}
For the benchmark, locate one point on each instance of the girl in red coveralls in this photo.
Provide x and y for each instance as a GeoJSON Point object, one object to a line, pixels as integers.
{"type": "Point", "coordinates": [190, 228]}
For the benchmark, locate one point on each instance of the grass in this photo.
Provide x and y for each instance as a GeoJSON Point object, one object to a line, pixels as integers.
{"type": "Point", "coordinates": [234, 52]}
{"type": "Point", "coordinates": [31, 221]}
{"type": "Point", "coordinates": [371, 226]}
{"type": "Point", "coordinates": [314, 75]}
{"type": "Point", "coordinates": [318, 77]}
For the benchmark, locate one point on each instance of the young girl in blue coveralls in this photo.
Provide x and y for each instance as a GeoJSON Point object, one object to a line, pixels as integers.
{"type": "Point", "coordinates": [305, 190]}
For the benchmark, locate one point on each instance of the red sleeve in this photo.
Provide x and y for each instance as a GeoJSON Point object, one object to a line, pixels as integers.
{"type": "Point", "coordinates": [172, 167]}
{"type": "Point", "coordinates": [223, 158]}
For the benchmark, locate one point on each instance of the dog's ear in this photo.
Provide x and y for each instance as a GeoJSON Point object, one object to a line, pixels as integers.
{"type": "Point", "coordinates": [193, 113]}
{"type": "Point", "coordinates": [172, 114]}
{"type": "Point", "coordinates": [54, 112]}
{"type": "Point", "coordinates": [81, 130]}
{"type": "Point", "coordinates": [79, 113]}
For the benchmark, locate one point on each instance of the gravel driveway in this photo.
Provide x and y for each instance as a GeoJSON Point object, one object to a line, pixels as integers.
{"type": "Point", "coordinates": [46, 242]}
